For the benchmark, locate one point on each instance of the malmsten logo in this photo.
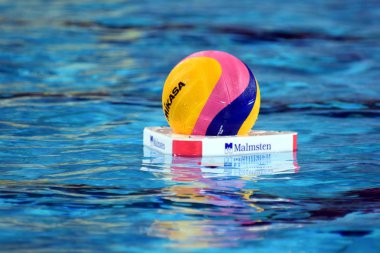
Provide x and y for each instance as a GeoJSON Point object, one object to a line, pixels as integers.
{"type": "Point", "coordinates": [171, 97]}
{"type": "Point", "coordinates": [230, 148]}
{"type": "Point", "coordinates": [157, 143]}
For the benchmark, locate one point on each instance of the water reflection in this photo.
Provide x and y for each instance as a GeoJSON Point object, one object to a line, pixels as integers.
{"type": "Point", "coordinates": [245, 165]}
{"type": "Point", "coordinates": [214, 205]}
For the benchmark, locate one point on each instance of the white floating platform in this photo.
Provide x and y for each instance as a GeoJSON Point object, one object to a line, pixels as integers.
{"type": "Point", "coordinates": [163, 140]}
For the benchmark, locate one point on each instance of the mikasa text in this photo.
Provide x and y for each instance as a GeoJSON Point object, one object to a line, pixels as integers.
{"type": "Point", "coordinates": [172, 96]}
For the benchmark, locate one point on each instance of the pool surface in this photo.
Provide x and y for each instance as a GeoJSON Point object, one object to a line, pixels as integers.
{"type": "Point", "coordinates": [79, 80]}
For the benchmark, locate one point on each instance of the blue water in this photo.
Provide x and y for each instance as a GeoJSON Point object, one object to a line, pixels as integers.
{"type": "Point", "coordinates": [79, 80]}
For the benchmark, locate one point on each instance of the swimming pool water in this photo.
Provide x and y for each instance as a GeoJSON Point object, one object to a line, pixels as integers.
{"type": "Point", "coordinates": [80, 80]}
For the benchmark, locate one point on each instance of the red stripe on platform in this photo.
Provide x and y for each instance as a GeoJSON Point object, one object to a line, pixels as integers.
{"type": "Point", "coordinates": [187, 148]}
{"type": "Point", "coordinates": [294, 142]}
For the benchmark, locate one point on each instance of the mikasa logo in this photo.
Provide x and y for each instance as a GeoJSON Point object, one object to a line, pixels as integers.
{"type": "Point", "coordinates": [230, 148]}
{"type": "Point", "coordinates": [171, 97]}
